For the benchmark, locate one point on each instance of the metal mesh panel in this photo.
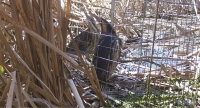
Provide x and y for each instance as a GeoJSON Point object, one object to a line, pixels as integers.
{"type": "Point", "coordinates": [159, 55]}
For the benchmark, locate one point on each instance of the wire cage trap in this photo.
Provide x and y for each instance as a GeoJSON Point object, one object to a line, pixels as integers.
{"type": "Point", "coordinates": [158, 63]}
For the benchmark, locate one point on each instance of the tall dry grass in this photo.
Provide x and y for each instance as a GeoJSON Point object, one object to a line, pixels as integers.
{"type": "Point", "coordinates": [36, 67]}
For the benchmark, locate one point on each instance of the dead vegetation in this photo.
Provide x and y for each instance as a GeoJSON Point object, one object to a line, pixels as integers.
{"type": "Point", "coordinates": [38, 73]}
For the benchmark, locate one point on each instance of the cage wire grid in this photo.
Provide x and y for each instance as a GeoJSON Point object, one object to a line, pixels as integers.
{"type": "Point", "coordinates": [160, 70]}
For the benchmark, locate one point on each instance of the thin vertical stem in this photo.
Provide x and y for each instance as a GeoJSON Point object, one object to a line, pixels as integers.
{"type": "Point", "coordinates": [152, 51]}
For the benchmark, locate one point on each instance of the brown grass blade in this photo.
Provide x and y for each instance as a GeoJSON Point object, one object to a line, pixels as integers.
{"type": "Point", "coordinates": [3, 97]}
{"type": "Point", "coordinates": [67, 93]}
{"type": "Point", "coordinates": [18, 91]}
{"type": "Point", "coordinates": [38, 37]}
{"type": "Point", "coordinates": [29, 99]}
{"type": "Point", "coordinates": [42, 102]}
{"type": "Point", "coordinates": [12, 56]}
{"type": "Point", "coordinates": [44, 93]}
{"type": "Point", "coordinates": [27, 83]}
{"type": "Point", "coordinates": [17, 30]}
{"type": "Point", "coordinates": [11, 90]}
{"type": "Point", "coordinates": [97, 84]}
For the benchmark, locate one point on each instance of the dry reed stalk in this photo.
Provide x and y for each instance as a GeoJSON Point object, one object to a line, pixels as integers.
{"type": "Point", "coordinates": [40, 68]}
{"type": "Point", "coordinates": [97, 84]}
{"type": "Point", "coordinates": [38, 65]}
{"type": "Point", "coordinates": [11, 90]}
{"type": "Point", "coordinates": [6, 89]}
{"type": "Point", "coordinates": [28, 98]}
